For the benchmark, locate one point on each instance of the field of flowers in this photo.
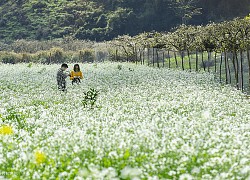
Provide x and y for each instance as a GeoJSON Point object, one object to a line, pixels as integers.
{"type": "Point", "coordinates": [147, 123]}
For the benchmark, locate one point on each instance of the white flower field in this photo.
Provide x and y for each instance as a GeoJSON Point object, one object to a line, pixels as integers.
{"type": "Point", "coordinates": [146, 123]}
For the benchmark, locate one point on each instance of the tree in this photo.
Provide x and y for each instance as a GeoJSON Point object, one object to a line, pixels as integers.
{"type": "Point", "coordinates": [186, 9]}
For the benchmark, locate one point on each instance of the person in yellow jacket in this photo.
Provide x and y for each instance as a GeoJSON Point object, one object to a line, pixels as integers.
{"type": "Point", "coordinates": [76, 74]}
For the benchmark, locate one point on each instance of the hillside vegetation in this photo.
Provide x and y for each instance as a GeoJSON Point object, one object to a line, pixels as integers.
{"type": "Point", "coordinates": [104, 20]}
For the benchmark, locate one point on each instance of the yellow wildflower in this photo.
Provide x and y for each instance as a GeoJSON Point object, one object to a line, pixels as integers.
{"type": "Point", "coordinates": [6, 130]}
{"type": "Point", "coordinates": [40, 157]}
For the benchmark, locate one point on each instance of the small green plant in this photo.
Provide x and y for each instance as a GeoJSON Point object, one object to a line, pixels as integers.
{"type": "Point", "coordinates": [18, 117]}
{"type": "Point", "coordinates": [29, 65]}
{"type": "Point", "coordinates": [90, 97]}
{"type": "Point", "coordinates": [119, 66]}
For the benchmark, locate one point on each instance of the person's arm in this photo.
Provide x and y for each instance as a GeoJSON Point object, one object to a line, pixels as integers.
{"type": "Point", "coordinates": [65, 75]}
{"type": "Point", "coordinates": [71, 75]}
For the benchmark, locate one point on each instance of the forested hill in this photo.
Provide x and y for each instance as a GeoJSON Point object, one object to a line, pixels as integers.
{"type": "Point", "coordinates": [102, 20]}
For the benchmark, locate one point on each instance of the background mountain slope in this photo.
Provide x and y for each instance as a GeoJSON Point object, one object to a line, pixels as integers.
{"type": "Point", "coordinates": [103, 20]}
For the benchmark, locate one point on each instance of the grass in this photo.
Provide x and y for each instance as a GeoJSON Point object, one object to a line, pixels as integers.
{"type": "Point", "coordinates": [146, 123]}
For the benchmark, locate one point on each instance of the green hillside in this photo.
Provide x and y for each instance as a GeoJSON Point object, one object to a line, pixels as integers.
{"type": "Point", "coordinates": [103, 20]}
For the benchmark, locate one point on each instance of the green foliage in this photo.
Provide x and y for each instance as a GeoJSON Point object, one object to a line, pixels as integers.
{"type": "Point", "coordinates": [29, 65]}
{"type": "Point", "coordinates": [87, 55]}
{"type": "Point", "coordinates": [56, 55]}
{"type": "Point", "coordinates": [10, 57]}
{"type": "Point", "coordinates": [18, 117]}
{"type": "Point", "coordinates": [119, 66]}
{"type": "Point", "coordinates": [104, 20]}
{"type": "Point", "coordinates": [90, 98]}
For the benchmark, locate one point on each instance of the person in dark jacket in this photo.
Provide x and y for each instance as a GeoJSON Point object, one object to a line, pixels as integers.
{"type": "Point", "coordinates": [61, 77]}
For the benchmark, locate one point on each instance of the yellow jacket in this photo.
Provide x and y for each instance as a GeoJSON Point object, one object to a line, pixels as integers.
{"type": "Point", "coordinates": [74, 74]}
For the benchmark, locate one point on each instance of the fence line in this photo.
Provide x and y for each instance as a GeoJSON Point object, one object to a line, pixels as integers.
{"type": "Point", "coordinates": [228, 67]}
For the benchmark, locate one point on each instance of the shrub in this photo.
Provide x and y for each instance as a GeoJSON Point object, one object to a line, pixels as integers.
{"type": "Point", "coordinates": [26, 57]}
{"type": "Point", "coordinates": [101, 55]}
{"type": "Point", "coordinates": [10, 57]}
{"type": "Point", "coordinates": [87, 55]}
{"type": "Point", "coordinates": [41, 57]}
{"type": "Point", "coordinates": [56, 55]}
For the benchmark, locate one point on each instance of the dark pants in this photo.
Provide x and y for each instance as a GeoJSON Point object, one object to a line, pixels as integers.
{"type": "Point", "coordinates": [62, 87]}
{"type": "Point", "coordinates": [76, 80]}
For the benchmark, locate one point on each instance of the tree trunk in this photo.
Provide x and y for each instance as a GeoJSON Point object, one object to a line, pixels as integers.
{"type": "Point", "coordinates": [189, 61]}
{"type": "Point", "coordinates": [140, 57]}
{"type": "Point", "coordinates": [136, 58]}
{"type": "Point", "coordinates": [235, 65]}
{"type": "Point", "coordinates": [215, 62]}
{"type": "Point", "coordinates": [202, 60]}
{"type": "Point", "coordinates": [148, 55]}
{"type": "Point", "coordinates": [116, 52]}
{"type": "Point", "coordinates": [176, 62]}
{"type": "Point", "coordinates": [221, 59]}
{"type": "Point", "coordinates": [143, 56]}
{"type": "Point", "coordinates": [157, 57]}
{"type": "Point", "coordinates": [248, 59]}
{"type": "Point", "coordinates": [208, 61]}
{"type": "Point", "coordinates": [227, 68]}
{"type": "Point", "coordinates": [163, 58]}
{"type": "Point", "coordinates": [169, 60]}
{"type": "Point", "coordinates": [50, 58]}
{"type": "Point", "coordinates": [153, 57]}
{"type": "Point", "coordinates": [182, 60]}
{"type": "Point", "coordinates": [196, 60]}
{"type": "Point", "coordinates": [241, 71]}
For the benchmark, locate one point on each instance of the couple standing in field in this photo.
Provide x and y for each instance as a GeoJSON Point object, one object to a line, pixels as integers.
{"type": "Point", "coordinates": [75, 75]}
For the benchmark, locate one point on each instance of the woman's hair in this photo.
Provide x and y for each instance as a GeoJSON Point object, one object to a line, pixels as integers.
{"type": "Point", "coordinates": [75, 67]}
